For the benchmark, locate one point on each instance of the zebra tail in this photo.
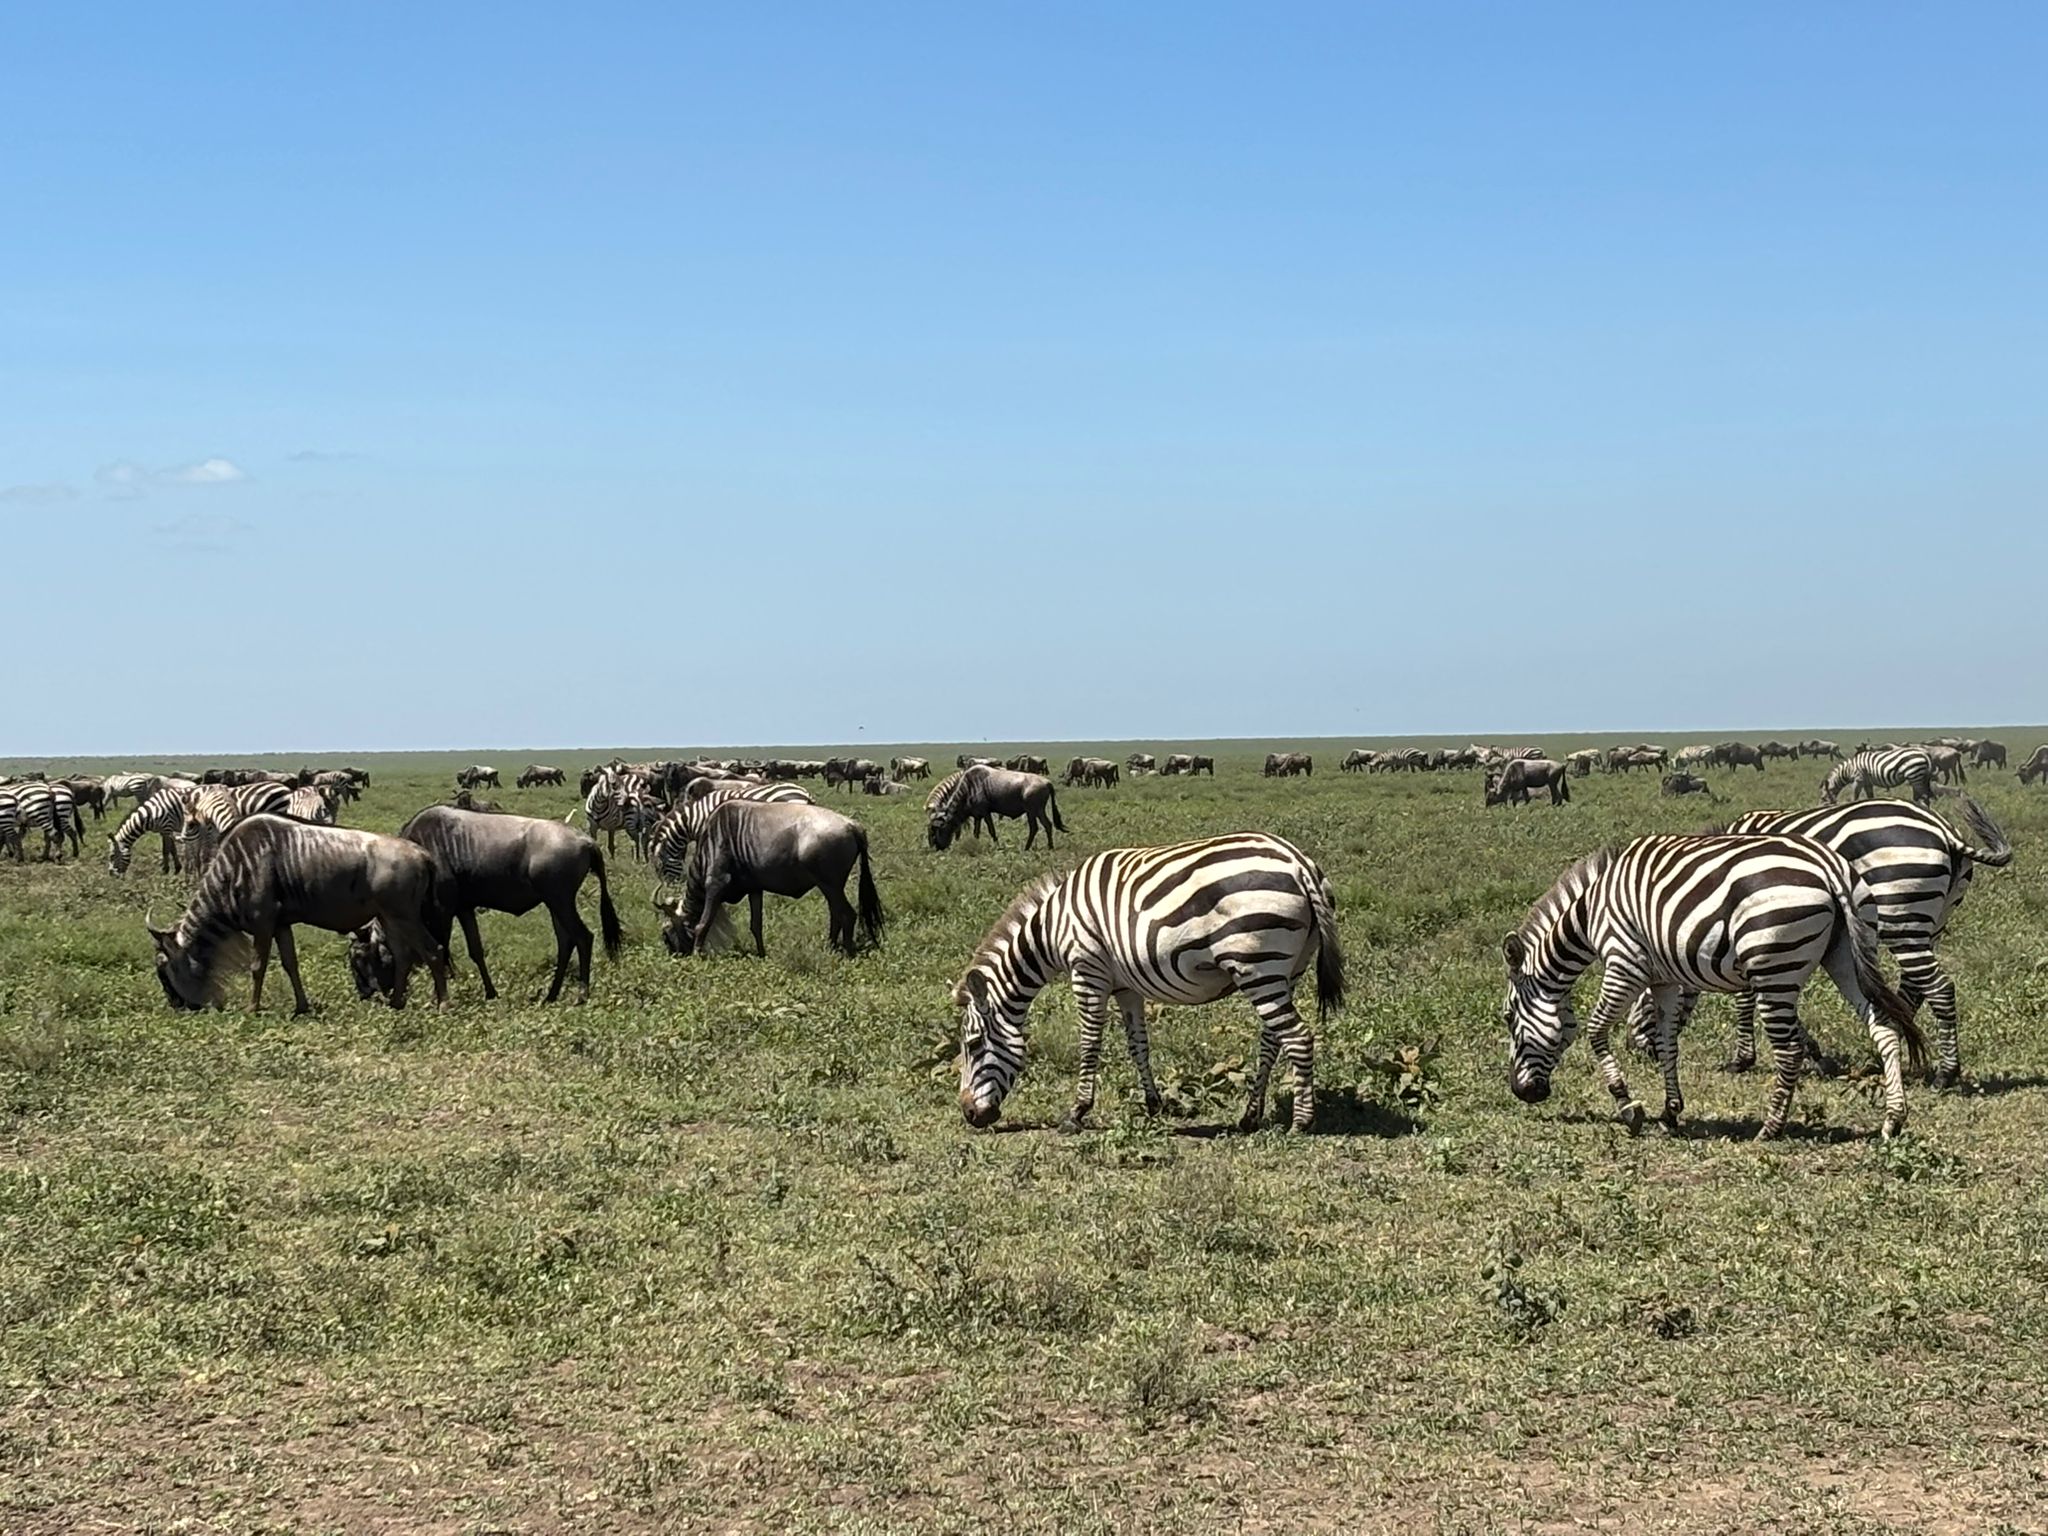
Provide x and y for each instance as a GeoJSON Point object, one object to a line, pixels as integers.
{"type": "Point", "coordinates": [1329, 951]}
{"type": "Point", "coordinates": [1996, 852]}
{"type": "Point", "coordinates": [1052, 803]}
{"type": "Point", "coordinates": [607, 914]}
{"type": "Point", "coordinates": [872, 918]}
{"type": "Point", "coordinates": [1870, 977]}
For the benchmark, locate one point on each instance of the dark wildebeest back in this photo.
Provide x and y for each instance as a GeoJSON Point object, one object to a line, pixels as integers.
{"type": "Point", "coordinates": [752, 849]}
{"type": "Point", "coordinates": [501, 863]}
{"type": "Point", "coordinates": [977, 795]}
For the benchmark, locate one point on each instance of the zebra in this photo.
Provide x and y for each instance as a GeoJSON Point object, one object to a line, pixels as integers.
{"type": "Point", "coordinates": [1711, 913]}
{"type": "Point", "coordinates": [1917, 871]}
{"type": "Point", "coordinates": [310, 804]}
{"type": "Point", "coordinates": [1876, 768]}
{"type": "Point", "coordinates": [214, 808]}
{"type": "Point", "coordinates": [1182, 924]}
{"type": "Point", "coordinates": [162, 813]}
{"type": "Point", "coordinates": [621, 802]}
{"type": "Point", "coordinates": [668, 850]}
{"type": "Point", "coordinates": [135, 786]}
{"type": "Point", "coordinates": [45, 805]}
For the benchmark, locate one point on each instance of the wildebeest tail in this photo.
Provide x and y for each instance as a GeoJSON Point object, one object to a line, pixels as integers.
{"type": "Point", "coordinates": [1862, 936]}
{"type": "Point", "coordinates": [607, 914]}
{"type": "Point", "coordinates": [1996, 852]}
{"type": "Point", "coordinates": [1329, 952]}
{"type": "Point", "coordinates": [1052, 804]}
{"type": "Point", "coordinates": [872, 917]}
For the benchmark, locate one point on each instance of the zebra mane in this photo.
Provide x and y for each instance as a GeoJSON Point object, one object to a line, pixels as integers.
{"type": "Point", "coordinates": [1004, 929]}
{"type": "Point", "coordinates": [1564, 890]}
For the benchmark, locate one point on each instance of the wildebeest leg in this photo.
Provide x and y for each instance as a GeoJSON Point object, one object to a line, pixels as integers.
{"type": "Point", "coordinates": [288, 957]}
{"type": "Point", "coordinates": [754, 922]}
{"type": "Point", "coordinates": [571, 932]}
{"type": "Point", "coordinates": [841, 933]}
{"type": "Point", "coordinates": [1031, 828]}
{"type": "Point", "coordinates": [715, 883]}
{"type": "Point", "coordinates": [475, 943]}
{"type": "Point", "coordinates": [256, 972]}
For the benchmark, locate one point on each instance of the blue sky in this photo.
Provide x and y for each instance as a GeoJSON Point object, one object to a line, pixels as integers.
{"type": "Point", "coordinates": [388, 376]}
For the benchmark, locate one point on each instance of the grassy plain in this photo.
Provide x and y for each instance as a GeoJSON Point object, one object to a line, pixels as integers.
{"type": "Point", "coordinates": [716, 1252]}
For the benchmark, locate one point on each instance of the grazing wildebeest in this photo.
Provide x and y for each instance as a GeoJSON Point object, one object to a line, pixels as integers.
{"type": "Point", "coordinates": [1201, 762]}
{"type": "Point", "coordinates": [901, 768]}
{"type": "Point", "coordinates": [539, 773]}
{"type": "Point", "coordinates": [1357, 760]}
{"type": "Point", "coordinates": [500, 864]}
{"type": "Point", "coordinates": [976, 796]}
{"type": "Point", "coordinates": [1686, 784]}
{"type": "Point", "coordinates": [88, 791]}
{"type": "Point", "coordinates": [1775, 749]}
{"type": "Point", "coordinates": [1989, 754]}
{"type": "Point", "coordinates": [2034, 767]}
{"type": "Point", "coordinates": [1737, 754]}
{"type": "Point", "coordinates": [752, 848]}
{"type": "Point", "coordinates": [1948, 764]}
{"type": "Point", "coordinates": [1027, 762]}
{"type": "Point", "coordinates": [849, 771]}
{"type": "Point", "coordinates": [476, 776]}
{"type": "Point", "coordinates": [467, 800]}
{"type": "Point", "coordinates": [1286, 765]}
{"type": "Point", "coordinates": [1816, 747]}
{"type": "Point", "coordinates": [963, 761]}
{"type": "Point", "coordinates": [270, 873]}
{"type": "Point", "coordinates": [1095, 772]}
{"type": "Point", "coordinates": [1582, 762]}
{"type": "Point", "coordinates": [1510, 784]}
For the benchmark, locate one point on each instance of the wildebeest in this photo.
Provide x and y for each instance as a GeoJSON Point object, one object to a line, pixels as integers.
{"type": "Point", "coordinates": [270, 873]}
{"type": "Point", "coordinates": [849, 771]}
{"type": "Point", "coordinates": [466, 800]}
{"type": "Point", "coordinates": [1028, 762]}
{"type": "Point", "coordinates": [1140, 762]}
{"type": "Point", "coordinates": [476, 776]}
{"type": "Point", "coordinates": [752, 848]}
{"type": "Point", "coordinates": [1582, 762]}
{"type": "Point", "coordinates": [883, 787]}
{"type": "Point", "coordinates": [1816, 747]}
{"type": "Point", "coordinates": [1511, 782]}
{"type": "Point", "coordinates": [1286, 765]}
{"type": "Point", "coordinates": [500, 864]}
{"type": "Point", "coordinates": [976, 796]}
{"type": "Point", "coordinates": [1185, 762]}
{"type": "Point", "coordinates": [1738, 754]}
{"type": "Point", "coordinates": [901, 768]}
{"type": "Point", "coordinates": [88, 791]}
{"type": "Point", "coordinates": [963, 761]}
{"type": "Point", "coordinates": [1686, 784]}
{"type": "Point", "coordinates": [1776, 749]}
{"type": "Point", "coordinates": [130, 786]}
{"type": "Point", "coordinates": [1201, 762]}
{"type": "Point", "coordinates": [539, 773]}
{"type": "Point", "coordinates": [2034, 767]}
{"type": "Point", "coordinates": [1095, 772]}
{"type": "Point", "coordinates": [1948, 764]}
{"type": "Point", "coordinates": [1989, 754]}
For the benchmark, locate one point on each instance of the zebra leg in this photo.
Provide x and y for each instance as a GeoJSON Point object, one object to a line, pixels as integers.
{"type": "Point", "coordinates": [1780, 1014]}
{"type": "Point", "coordinates": [1280, 1029]}
{"type": "Point", "coordinates": [288, 957]}
{"type": "Point", "coordinates": [1093, 1002]}
{"type": "Point", "coordinates": [1140, 1044]}
{"type": "Point", "coordinates": [1642, 1024]}
{"type": "Point", "coordinates": [474, 941]}
{"type": "Point", "coordinates": [1744, 1059]}
{"type": "Point", "coordinates": [1921, 977]}
{"type": "Point", "coordinates": [1618, 989]}
{"type": "Point", "coordinates": [1671, 1005]}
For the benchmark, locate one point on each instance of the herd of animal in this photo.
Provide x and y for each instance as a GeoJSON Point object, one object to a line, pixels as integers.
{"type": "Point", "coordinates": [1752, 910]}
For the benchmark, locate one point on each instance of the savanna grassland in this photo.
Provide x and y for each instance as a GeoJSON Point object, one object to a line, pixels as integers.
{"type": "Point", "coordinates": [717, 1252]}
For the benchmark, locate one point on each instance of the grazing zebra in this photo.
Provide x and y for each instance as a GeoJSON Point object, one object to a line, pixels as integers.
{"type": "Point", "coordinates": [622, 802]}
{"type": "Point", "coordinates": [310, 804]}
{"type": "Point", "coordinates": [668, 850]}
{"type": "Point", "coordinates": [214, 808]}
{"type": "Point", "coordinates": [978, 795]}
{"type": "Point", "coordinates": [1714, 913]}
{"type": "Point", "coordinates": [1878, 768]}
{"type": "Point", "coordinates": [162, 813]}
{"type": "Point", "coordinates": [132, 786]}
{"type": "Point", "coordinates": [46, 806]}
{"type": "Point", "coordinates": [1917, 871]}
{"type": "Point", "coordinates": [1184, 924]}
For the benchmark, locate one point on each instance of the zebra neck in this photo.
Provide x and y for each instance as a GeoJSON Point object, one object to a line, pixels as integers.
{"type": "Point", "coordinates": [1025, 964]}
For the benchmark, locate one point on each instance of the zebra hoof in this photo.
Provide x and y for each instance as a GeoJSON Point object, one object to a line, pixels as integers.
{"type": "Point", "coordinates": [1739, 1064]}
{"type": "Point", "coordinates": [1250, 1121]}
{"type": "Point", "coordinates": [1941, 1079]}
{"type": "Point", "coordinates": [1071, 1126]}
{"type": "Point", "coordinates": [1631, 1116]}
{"type": "Point", "coordinates": [1669, 1119]}
{"type": "Point", "coordinates": [1893, 1129]}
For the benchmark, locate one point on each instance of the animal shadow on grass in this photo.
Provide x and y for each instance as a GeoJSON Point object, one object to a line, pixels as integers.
{"type": "Point", "coordinates": [1717, 1127]}
{"type": "Point", "coordinates": [1341, 1111]}
{"type": "Point", "coordinates": [2003, 1082]}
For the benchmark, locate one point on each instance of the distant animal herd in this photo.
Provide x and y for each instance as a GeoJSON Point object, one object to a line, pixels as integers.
{"type": "Point", "coordinates": [1751, 910]}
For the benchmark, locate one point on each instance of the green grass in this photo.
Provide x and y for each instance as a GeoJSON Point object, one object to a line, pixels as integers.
{"type": "Point", "coordinates": [717, 1252]}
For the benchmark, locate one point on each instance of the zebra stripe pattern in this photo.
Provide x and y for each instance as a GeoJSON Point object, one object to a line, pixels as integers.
{"type": "Point", "coordinates": [45, 806]}
{"type": "Point", "coordinates": [162, 813]}
{"type": "Point", "coordinates": [1699, 914]}
{"type": "Point", "coordinates": [1881, 768]}
{"type": "Point", "coordinates": [310, 804]}
{"type": "Point", "coordinates": [1917, 870]}
{"type": "Point", "coordinates": [669, 848]}
{"type": "Point", "coordinates": [214, 808]}
{"type": "Point", "coordinates": [1183, 924]}
{"type": "Point", "coordinates": [622, 802]}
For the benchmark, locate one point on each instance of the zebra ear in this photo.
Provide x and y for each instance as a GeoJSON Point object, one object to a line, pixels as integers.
{"type": "Point", "coordinates": [1514, 951]}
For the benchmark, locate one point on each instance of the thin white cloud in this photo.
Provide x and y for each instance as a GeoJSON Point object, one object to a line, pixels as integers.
{"type": "Point", "coordinates": [126, 479]}
{"type": "Point", "coordinates": [37, 495]}
{"type": "Point", "coordinates": [200, 533]}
